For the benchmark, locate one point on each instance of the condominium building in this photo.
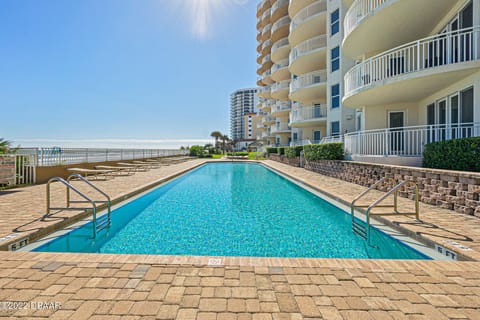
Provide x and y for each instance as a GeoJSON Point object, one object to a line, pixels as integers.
{"type": "Point", "coordinates": [386, 76]}
{"type": "Point", "coordinates": [417, 75]}
{"type": "Point", "coordinates": [301, 71]}
{"type": "Point", "coordinates": [242, 102]}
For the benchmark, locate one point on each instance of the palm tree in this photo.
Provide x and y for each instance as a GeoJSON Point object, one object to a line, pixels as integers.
{"type": "Point", "coordinates": [224, 142]}
{"type": "Point", "coordinates": [217, 135]}
{"type": "Point", "coordinates": [4, 145]}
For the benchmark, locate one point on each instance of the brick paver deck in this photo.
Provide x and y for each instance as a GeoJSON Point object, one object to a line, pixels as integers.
{"type": "Point", "coordinates": [96, 286]}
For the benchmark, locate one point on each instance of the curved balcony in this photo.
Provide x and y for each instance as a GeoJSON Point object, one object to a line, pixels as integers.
{"type": "Point", "coordinates": [266, 32]}
{"type": "Point", "coordinates": [296, 5]}
{"type": "Point", "coordinates": [267, 77]}
{"type": "Point", "coordinates": [264, 92]}
{"type": "Point", "coordinates": [267, 120]}
{"type": "Point", "coordinates": [280, 50]}
{"type": "Point", "coordinates": [281, 108]}
{"type": "Point", "coordinates": [280, 29]}
{"type": "Point", "coordinates": [280, 71]}
{"type": "Point", "coordinates": [265, 18]}
{"type": "Point", "coordinates": [266, 47]}
{"type": "Point", "coordinates": [280, 90]}
{"type": "Point", "coordinates": [367, 21]}
{"type": "Point", "coordinates": [279, 9]}
{"type": "Point", "coordinates": [414, 70]}
{"type": "Point", "coordinates": [259, 81]}
{"type": "Point", "coordinates": [309, 55]}
{"type": "Point", "coordinates": [309, 87]}
{"type": "Point", "coordinates": [308, 23]}
{"type": "Point", "coordinates": [280, 128]}
{"type": "Point", "coordinates": [308, 116]}
{"type": "Point", "coordinates": [261, 7]}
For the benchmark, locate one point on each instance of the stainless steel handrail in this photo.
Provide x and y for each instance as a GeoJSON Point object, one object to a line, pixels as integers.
{"type": "Point", "coordinates": [394, 191]}
{"type": "Point", "coordinates": [372, 187]}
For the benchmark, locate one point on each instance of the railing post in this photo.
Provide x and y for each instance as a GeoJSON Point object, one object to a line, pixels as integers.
{"type": "Point", "coordinates": [386, 153]}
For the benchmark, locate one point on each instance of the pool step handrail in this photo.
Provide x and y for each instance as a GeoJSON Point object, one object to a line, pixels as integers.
{"type": "Point", "coordinates": [98, 224]}
{"type": "Point", "coordinates": [364, 230]}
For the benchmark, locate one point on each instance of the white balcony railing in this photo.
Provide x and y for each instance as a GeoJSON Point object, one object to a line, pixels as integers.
{"type": "Point", "coordinates": [280, 65]}
{"type": "Point", "coordinates": [266, 44]}
{"type": "Point", "coordinates": [267, 119]}
{"type": "Point", "coordinates": [280, 127]}
{"type": "Point", "coordinates": [266, 14]}
{"type": "Point", "coordinates": [431, 52]}
{"type": "Point", "coordinates": [280, 23]}
{"type": "Point", "coordinates": [282, 106]}
{"type": "Point", "coordinates": [266, 59]}
{"type": "Point", "coordinates": [306, 113]}
{"type": "Point", "coordinates": [309, 12]}
{"type": "Point", "coordinates": [405, 141]}
{"type": "Point", "coordinates": [282, 85]}
{"type": "Point", "coordinates": [358, 11]}
{"type": "Point", "coordinates": [307, 47]}
{"type": "Point", "coordinates": [266, 29]}
{"type": "Point", "coordinates": [308, 79]}
{"type": "Point", "coordinates": [264, 90]}
{"type": "Point", "coordinates": [279, 44]}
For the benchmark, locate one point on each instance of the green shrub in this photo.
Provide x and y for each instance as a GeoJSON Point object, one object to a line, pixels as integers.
{"type": "Point", "coordinates": [197, 151]}
{"type": "Point", "coordinates": [292, 152]}
{"type": "Point", "coordinates": [456, 154]}
{"type": "Point", "coordinates": [271, 150]}
{"type": "Point", "coordinates": [281, 150]}
{"type": "Point", "coordinates": [327, 151]}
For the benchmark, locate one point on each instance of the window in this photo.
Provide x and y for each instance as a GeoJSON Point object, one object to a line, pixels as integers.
{"type": "Point", "coordinates": [335, 22]}
{"type": "Point", "coordinates": [335, 57]}
{"type": "Point", "coordinates": [335, 128]}
{"type": "Point", "coordinates": [467, 105]}
{"type": "Point", "coordinates": [316, 136]}
{"type": "Point", "coordinates": [335, 96]}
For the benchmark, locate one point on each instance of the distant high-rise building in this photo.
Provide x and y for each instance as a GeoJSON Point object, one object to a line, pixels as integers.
{"type": "Point", "coordinates": [242, 102]}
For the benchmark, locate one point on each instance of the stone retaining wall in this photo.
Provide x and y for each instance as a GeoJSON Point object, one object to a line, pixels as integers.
{"type": "Point", "coordinates": [7, 170]}
{"type": "Point", "coordinates": [295, 162]}
{"type": "Point", "coordinates": [454, 190]}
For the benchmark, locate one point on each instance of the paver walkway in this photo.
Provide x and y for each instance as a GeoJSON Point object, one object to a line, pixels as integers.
{"type": "Point", "coordinates": [103, 286]}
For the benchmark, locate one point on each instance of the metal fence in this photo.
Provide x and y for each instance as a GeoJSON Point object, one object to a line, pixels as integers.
{"type": "Point", "coordinates": [44, 157]}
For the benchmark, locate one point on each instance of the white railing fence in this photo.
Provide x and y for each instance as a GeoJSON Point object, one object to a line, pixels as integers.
{"type": "Point", "coordinates": [308, 79]}
{"type": "Point", "coordinates": [303, 113]}
{"type": "Point", "coordinates": [307, 47]}
{"type": "Point", "coordinates": [63, 156]}
{"type": "Point", "coordinates": [438, 50]}
{"type": "Point", "coordinates": [358, 11]}
{"type": "Point", "coordinates": [405, 141]}
{"type": "Point", "coordinates": [307, 13]}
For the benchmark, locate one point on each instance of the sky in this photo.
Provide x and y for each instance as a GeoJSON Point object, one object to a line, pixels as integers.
{"type": "Point", "coordinates": [112, 72]}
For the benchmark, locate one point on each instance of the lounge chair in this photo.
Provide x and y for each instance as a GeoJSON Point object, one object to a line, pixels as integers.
{"type": "Point", "coordinates": [138, 167]}
{"type": "Point", "coordinates": [118, 169]}
{"type": "Point", "coordinates": [91, 172]}
{"type": "Point", "coordinates": [151, 165]}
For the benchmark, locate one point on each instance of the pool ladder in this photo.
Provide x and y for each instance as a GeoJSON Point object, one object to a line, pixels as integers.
{"type": "Point", "coordinates": [363, 230]}
{"type": "Point", "coordinates": [98, 223]}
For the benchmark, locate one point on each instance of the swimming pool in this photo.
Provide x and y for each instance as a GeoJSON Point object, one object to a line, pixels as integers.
{"type": "Point", "coordinates": [231, 209]}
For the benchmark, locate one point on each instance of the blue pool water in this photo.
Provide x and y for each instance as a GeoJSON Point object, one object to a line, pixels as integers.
{"type": "Point", "coordinates": [231, 209]}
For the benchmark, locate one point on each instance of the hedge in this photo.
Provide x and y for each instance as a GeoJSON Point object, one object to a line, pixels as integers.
{"type": "Point", "coordinates": [456, 154]}
{"type": "Point", "coordinates": [281, 150]}
{"type": "Point", "coordinates": [327, 151]}
{"type": "Point", "coordinates": [271, 150]}
{"type": "Point", "coordinates": [292, 152]}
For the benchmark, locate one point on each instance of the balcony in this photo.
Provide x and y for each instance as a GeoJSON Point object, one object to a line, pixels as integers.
{"type": "Point", "coordinates": [308, 116]}
{"type": "Point", "coordinates": [280, 90]}
{"type": "Point", "coordinates": [264, 92]}
{"type": "Point", "coordinates": [267, 120]}
{"type": "Point", "coordinates": [280, 128]}
{"type": "Point", "coordinates": [280, 50]}
{"type": "Point", "coordinates": [266, 32]}
{"type": "Point", "coordinates": [266, 77]}
{"type": "Point", "coordinates": [308, 23]}
{"type": "Point", "coordinates": [266, 47]}
{"type": "Point", "coordinates": [309, 87]}
{"type": "Point", "coordinates": [280, 29]}
{"type": "Point", "coordinates": [368, 20]}
{"type": "Point", "coordinates": [296, 5]}
{"type": "Point", "coordinates": [414, 70]}
{"type": "Point", "coordinates": [280, 71]}
{"type": "Point", "coordinates": [309, 55]}
{"type": "Point", "coordinates": [261, 127]}
{"type": "Point", "coordinates": [281, 108]}
{"type": "Point", "coordinates": [262, 6]}
{"type": "Point", "coordinates": [279, 9]}
{"type": "Point", "coordinates": [404, 144]}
